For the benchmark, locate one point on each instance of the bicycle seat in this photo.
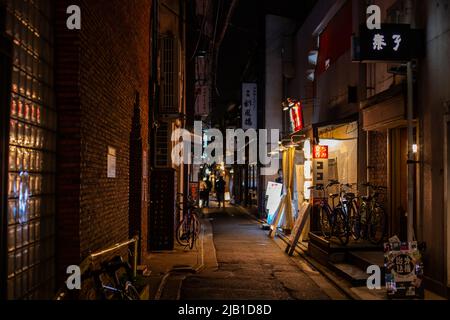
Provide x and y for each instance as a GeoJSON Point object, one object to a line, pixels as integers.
{"type": "Point", "coordinates": [114, 263]}
{"type": "Point", "coordinates": [334, 195]}
{"type": "Point", "coordinates": [350, 196]}
{"type": "Point", "coordinates": [365, 198]}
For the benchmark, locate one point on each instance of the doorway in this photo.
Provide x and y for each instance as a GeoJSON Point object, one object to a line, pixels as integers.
{"type": "Point", "coordinates": [398, 182]}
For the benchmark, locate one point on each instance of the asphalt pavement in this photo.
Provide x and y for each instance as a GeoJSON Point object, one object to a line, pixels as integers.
{"type": "Point", "coordinates": [251, 266]}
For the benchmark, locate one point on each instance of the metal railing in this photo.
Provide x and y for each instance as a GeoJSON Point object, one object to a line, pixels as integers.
{"type": "Point", "coordinates": [89, 261]}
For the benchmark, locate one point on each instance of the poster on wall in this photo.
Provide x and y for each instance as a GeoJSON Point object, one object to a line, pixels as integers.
{"type": "Point", "coordinates": [404, 270]}
{"type": "Point", "coordinates": [111, 162]}
{"type": "Point", "coordinates": [273, 196]}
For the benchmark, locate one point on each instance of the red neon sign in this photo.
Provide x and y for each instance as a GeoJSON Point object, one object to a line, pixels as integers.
{"type": "Point", "coordinates": [297, 117]}
{"type": "Point", "coordinates": [320, 152]}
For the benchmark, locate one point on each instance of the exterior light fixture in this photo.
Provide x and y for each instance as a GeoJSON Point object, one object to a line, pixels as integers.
{"type": "Point", "coordinates": [415, 148]}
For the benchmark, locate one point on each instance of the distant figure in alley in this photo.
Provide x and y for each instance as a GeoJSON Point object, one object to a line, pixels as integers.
{"type": "Point", "coordinates": [220, 191]}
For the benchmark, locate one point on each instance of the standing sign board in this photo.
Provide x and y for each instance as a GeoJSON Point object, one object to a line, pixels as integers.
{"type": "Point", "coordinates": [249, 106]}
{"type": "Point", "coordinates": [404, 270]}
{"type": "Point", "coordinates": [273, 196]}
{"type": "Point", "coordinates": [299, 226]}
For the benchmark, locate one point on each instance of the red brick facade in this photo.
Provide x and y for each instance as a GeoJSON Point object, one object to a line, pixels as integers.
{"type": "Point", "coordinates": [100, 71]}
{"type": "Point", "coordinates": [378, 160]}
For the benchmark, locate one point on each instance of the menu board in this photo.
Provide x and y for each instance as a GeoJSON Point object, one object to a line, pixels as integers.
{"type": "Point", "coordinates": [403, 270]}
{"type": "Point", "coordinates": [273, 196]}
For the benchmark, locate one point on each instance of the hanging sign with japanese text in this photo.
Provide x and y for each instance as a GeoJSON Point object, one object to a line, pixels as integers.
{"type": "Point", "coordinates": [296, 115]}
{"type": "Point", "coordinates": [393, 42]}
{"type": "Point", "coordinates": [249, 106]}
{"type": "Point", "coordinates": [403, 270]}
{"type": "Point", "coordinates": [320, 152]}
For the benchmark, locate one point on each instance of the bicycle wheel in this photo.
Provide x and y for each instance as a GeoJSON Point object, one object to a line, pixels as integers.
{"type": "Point", "coordinates": [340, 226]}
{"type": "Point", "coordinates": [325, 222]}
{"type": "Point", "coordinates": [194, 231]}
{"type": "Point", "coordinates": [377, 225]}
{"type": "Point", "coordinates": [131, 292]}
{"type": "Point", "coordinates": [363, 221]}
{"type": "Point", "coordinates": [182, 232]}
{"type": "Point", "coordinates": [354, 221]}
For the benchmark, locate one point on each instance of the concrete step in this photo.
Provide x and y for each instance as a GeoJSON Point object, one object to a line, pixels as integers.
{"type": "Point", "coordinates": [356, 276]}
{"type": "Point", "coordinates": [364, 259]}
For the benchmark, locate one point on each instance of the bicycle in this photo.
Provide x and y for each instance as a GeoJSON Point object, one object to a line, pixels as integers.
{"type": "Point", "coordinates": [188, 230]}
{"type": "Point", "coordinates": [113, 281]}
{"type": "Point", "coordinates": [332, 220]}
{"type": "Point", "coordinates": [370, 221]}
{"type": "Point", "coordinates": [349, 206]}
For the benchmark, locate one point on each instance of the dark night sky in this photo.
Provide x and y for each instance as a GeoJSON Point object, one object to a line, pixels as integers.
{"type": "Point", "coordinates": [244, 41]}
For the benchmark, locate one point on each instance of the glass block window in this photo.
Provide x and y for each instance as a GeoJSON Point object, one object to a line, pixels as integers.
{"type": "Point", "coordinates": [31, 191]}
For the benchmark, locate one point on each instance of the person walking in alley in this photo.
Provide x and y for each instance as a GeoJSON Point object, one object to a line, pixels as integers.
{"type": "Point", "coordinates": [220, 191]}
{"type": "Point", "coordinates": [203, 190]}
{"type": "Point", "coordinates": [207, 191]}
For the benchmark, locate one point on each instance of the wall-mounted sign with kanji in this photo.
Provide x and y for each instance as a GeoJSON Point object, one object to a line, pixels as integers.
{"type": "Point", "coordinates": [249, 106]}
{"type": "Point", "coordinates": [320, 152]}
{"type": "Point", "coordinates": [296, 117]}
{"type": "Point", "coordinates": [392, 43]}
{"type": "Point", "coordinates": [403, 270]}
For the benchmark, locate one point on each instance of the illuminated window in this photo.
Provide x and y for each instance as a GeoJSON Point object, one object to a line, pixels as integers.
{"type": "Point", "coordinates": [31, 208]}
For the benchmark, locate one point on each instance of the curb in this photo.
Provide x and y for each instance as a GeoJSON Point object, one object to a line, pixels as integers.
{"type": "Point", "coordinates": [188, 270]}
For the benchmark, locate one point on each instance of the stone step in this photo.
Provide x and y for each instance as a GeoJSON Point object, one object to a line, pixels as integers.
{"type": "Point", "coordinates": [356, 276]}
{"type": "Point", "coordinates": [364, 259]}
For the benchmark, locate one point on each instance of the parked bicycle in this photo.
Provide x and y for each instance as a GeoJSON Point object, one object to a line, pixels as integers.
{"type": "Point", "coordinates": [188, 230]}
{"type": "Point", "coordinates": [332, 218]}
{"type": "Point", "coordinates": [113, 281]}
{"type": "Point", "coordinates": [370, 219]}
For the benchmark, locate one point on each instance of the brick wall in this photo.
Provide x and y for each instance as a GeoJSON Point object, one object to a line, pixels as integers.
{"type": "Point", "coordinates": [378, 158]}
{"type": "Point", "coordinates": [99, 71]}
{"type": "Point", "coordinates": [68, 171]}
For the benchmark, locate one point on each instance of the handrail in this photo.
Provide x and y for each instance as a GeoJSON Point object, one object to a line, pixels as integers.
{"type": "Point", "coordinates": [86, 263]}
{"type": "Point", "coordinates": [90, 259]}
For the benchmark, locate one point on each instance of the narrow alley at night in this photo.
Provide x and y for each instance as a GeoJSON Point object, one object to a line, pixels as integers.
{"type": "Point", "coordinates": [225, 158]}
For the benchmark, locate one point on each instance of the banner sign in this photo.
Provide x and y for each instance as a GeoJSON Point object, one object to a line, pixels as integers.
{"type": "Point", "coordinates": [296, 117]}
{"type": "Point", "coordinates": [249, 106]}
{"type": "Point", "coordinates": [404, 270]}
{"type": "Point", "coordinates": [393, 42]}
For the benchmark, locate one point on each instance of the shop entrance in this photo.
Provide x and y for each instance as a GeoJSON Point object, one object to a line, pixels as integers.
{"type": "Point", "coordinates": [398, 181]}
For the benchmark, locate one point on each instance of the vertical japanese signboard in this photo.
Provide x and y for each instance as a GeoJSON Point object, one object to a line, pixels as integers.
{"type": "Point", "coordinates": [320, 168]}
{"type": "Point", "coordinates": [202, 88]}
{"type": "Point", "coordinates": [404, 270]}
{"type": "Point", "coordinates": [249, 106]}
{"type": "Point", "coordinates": [296, 115]}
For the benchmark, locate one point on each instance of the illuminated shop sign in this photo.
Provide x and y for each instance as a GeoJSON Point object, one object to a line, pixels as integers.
{"type": "Point", "coordinates": [296, 114]}
{"type": "Point", "coordinates": [393, 42]}
{"type": "Point", "coordinates": [320, 152]}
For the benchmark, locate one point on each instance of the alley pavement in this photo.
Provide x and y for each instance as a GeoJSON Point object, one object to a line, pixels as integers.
{"type": "Point", "coordinates": [250, 265]}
